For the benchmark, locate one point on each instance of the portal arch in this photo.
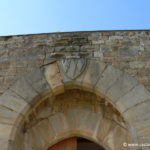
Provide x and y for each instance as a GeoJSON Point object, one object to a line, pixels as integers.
{"type": "Point", "coordinates": [119, 90]}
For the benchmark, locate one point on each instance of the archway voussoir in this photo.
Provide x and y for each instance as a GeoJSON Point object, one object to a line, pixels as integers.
{"type": "Point", "coordinates": [104, 127]}
{"type": "Point", "coordinates": [6, 132]}
{"type": "Point", "coordinates": [107, 79]}
{"type": "Point", "coordinates": [54, 78]}
{"type": "Point", "coordinates": [4, 144]}
{"type": "Point", "coordinates": [32, 139]}
{"type": "Point", "coordinates": [114, 140]}
{"type": "Point", "coordinates": [42, 129]}
{"type": "Point", "coordinates": [37, 80]}
{"type": "Point", "coordinates": [13, 101]}
{"type": "Point", "coordinates": [77, 118]}
{"type": "Point", "coordinates": [93, 73]}
{"type": "Point", "coordinates": [135, 96]}
{"type": "Point", "coordinates": [138, 113]}
{"type": "Point", "coordinates": [23, 89]}
{"type": "Point", "coordinates": [8, 116]}
{"type": "Point", "coordinates": [122, 86]}
{"type": "Point", "coordinates": [59, 123]}
{"type": "Point", "coordinates": [92, 122]}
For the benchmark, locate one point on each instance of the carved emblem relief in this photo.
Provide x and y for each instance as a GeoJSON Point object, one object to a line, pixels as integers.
{"type": "Point", "coordinates": [73, 67]}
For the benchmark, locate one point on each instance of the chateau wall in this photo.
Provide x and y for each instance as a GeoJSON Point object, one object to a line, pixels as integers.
{"type": "Point", "coordinates": [126, 50]}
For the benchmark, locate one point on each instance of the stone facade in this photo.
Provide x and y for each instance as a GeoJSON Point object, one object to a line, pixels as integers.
{"type": "Point", "coordinates": [127, 50]}
{"type": "Point", "coordinates": [61, 85]}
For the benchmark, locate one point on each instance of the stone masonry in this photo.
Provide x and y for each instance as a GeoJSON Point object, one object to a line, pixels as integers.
{"type": "Point", "coordinates": [127, 50]}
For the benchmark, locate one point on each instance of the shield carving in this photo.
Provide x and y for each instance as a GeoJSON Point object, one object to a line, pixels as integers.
{"type": "Point", "coordinates": [73, 67]}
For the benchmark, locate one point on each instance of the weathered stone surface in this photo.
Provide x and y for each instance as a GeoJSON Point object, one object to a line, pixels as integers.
{"type": "Point", "coordinates": [46, 132]}
{"type": "Point", "coordinates": [76, 118]}
{"type": "Point", "coordinates": [72, 113]}
{"type": "Point", "coordinates": [32, 140]}
{"type": "Point", "coordinates": [107, 79]}
{"type": "Point", "coordinates": [13, 101]}
{"type": "Point", "coordinates": [4, 144]}
{"type": "Point", "coordinates": [123, 84]}
{"type": "Point", "coordinates": [139, 113]}
{"type": "Point", "coordinates": [92, 122]}
{"type": "Point", "coordinates": [53, 77]}
{"type": "Point", "coordinates": [137, 95]}
{"type": "Point", "coordinates": [93, 73]}
{"type": "Point", "coordinates": [37, 80]}
{"type": "Point", "coordinates": [127, 50]}
{"type": "Point", "coordinates": [59, 123]}
{"type": "Point", "coordinates": [23, 89]}
{"type": "Point", "coordinates": [5, 131]}
{"type": "Point", "coordinates": [7, 116]}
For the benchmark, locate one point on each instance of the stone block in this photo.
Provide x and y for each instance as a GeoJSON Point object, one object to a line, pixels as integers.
{"type": "Point", "coordinates": [97, 42]}
{"type": "Point", "coordinates": [37, 79]}
{"type": "Point", "coordinates": [139, 113]}
{"type": "Point", "coordinates": [104, 128]}
{"type": "Point", "coordinates": [92, 122]}
{"type": "Point", "coordinates": [80, 117]}
{"type": "Point", "coordinates": [107, 79]}
{"type": "Point", "coordinates": [137, 64]}
{"type": "Point", "coordinates": [122, 85]}
{"type": "Point", "coordinates": [44, 113]}
{"type": "Point", "coordinates": [5, 131]}
{"type": "Point", "coordinates": [4, 144]}
{"type": "Point", "coordinates": [105, 48]}
{"type": "Point", "coordinates": [53, 77]}
{"type": "Point", "coordinates": [115, 37]}
{"type": "Point", "coordinates": [44, 130]}
{"type": "Point", "coordinates": [89, 48]}
{"type": "Point", "coordinates": [13, 101]}
{"type": "Point", "coordinates": [23, 89]}
{"type": "Point", "coordinates": [114, 140]}
{"type": "Point", "coordinates": [32, 140]}
{"type": "Point", "coordinates": [98, 54]}
{"type": "Point", "coordinates": [137, 95]}
{"type": "Point", "coordinates": [8, 116]}
{"type": "Point", "coordinates": [59, 123]}
{"type": "Point", "coordinates": [93, 73]}
{"type": "Point", "coordinates": [71, 118]}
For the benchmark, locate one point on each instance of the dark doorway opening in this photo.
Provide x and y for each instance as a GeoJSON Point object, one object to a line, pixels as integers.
{"type": "Point", "coordinates": [76, 143]}
{"type": "Point", "coordinates": [84, 144]}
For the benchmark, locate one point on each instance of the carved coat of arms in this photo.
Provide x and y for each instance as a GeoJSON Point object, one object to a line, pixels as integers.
{"type": "Point", "coordinates": [73, 67]}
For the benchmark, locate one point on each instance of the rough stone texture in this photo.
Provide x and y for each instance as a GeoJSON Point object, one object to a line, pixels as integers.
{"type": "Point", "coordinates": [127, 50]}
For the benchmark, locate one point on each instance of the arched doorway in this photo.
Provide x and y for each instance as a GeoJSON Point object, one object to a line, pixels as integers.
{"type": "Point", "coordinates": [46, 106]}
{"type": "Point", "coordinates": [76, 143]}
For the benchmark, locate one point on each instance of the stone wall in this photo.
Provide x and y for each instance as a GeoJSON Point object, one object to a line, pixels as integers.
{"type": "Point", "coordinates": [126, 50]}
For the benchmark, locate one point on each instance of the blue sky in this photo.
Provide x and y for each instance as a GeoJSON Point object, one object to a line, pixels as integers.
{"type": "Point", "coordinates": [44, 16]}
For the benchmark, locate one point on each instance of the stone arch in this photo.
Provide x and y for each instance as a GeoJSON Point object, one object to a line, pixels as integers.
{"type": "Point", "coordinates": [74, 113]}
{"type": "Point", "coordinates": [122, 91]}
